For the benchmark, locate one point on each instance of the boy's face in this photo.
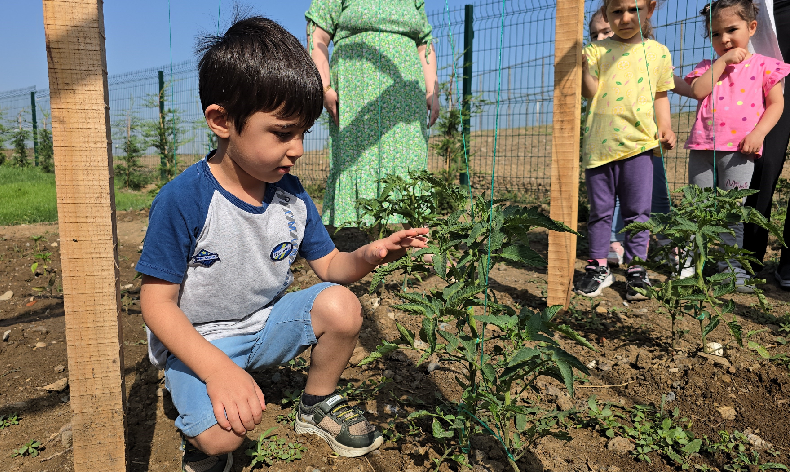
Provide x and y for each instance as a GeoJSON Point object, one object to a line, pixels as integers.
{"type": "Point", "coordinates": [268, 146]}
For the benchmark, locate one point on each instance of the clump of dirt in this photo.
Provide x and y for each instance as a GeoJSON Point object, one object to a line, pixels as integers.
{"type": "Point", "coordinates": [633, 365]}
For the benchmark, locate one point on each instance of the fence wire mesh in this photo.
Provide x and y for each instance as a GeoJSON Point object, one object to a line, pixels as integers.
{"type": "Point", "coordinates": [526, 80]}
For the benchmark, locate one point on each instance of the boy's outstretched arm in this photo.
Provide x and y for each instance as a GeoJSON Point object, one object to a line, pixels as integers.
{"type": "Point", "coordinates": [232, 391]}
{"type": "Point", "coordinates": [348, 267]}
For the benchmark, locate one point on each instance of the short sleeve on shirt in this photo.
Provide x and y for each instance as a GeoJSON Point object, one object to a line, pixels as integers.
{"type": "Point", "coordinates": [666, 78]}
{"type": "Point", "coordinates": [591, 53]}
{"type": "Point", "coordinates": [173, 229]}
{"type": "Point", "coordinates": [316, 243]}
{"type": "Point", "coordinates": [325, 14]}
{"type": "Point", "coordinates": [698, 71]}
{"type": "Point", "coordinates": [774, 72]}
{"type": "Point", "coordinates": [426, 30]}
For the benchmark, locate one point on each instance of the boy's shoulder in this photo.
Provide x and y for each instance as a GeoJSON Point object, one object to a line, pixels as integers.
{"type": "Point", "coordinates": [188, 182]}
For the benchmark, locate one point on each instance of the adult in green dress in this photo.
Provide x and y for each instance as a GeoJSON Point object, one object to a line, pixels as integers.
{"type": "Point", "coordinates": [376, 88]}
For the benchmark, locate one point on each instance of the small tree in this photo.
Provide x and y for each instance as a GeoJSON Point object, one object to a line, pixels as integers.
{"type": "Point", "coordinates": [45, 149]}
{"type": "Point", "coordinates": [164, 134]}
{"type": "Point", "coordinates": [450, 141]}
{"type": "Point", "coordinates": [130, 170]}
{"type": "Point", "coordinates": [3, 137]}
{"type": "Point", "coordinates": [19, 139]}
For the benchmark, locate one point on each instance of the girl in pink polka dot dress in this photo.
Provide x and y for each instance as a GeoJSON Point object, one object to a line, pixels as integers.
{"type": "Point", "coordinates": [738, 105]}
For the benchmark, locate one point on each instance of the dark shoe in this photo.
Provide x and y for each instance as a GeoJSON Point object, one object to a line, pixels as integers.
{"type": "Point", "coordinates": [782, 275]}
{"type": "Point", "coordinates": [636, 278]}
{"type": "Point", "coordinates": [595, 279]}
{"type": "Point", "coordinates": [195, 460]}
{"type": "Point", "coordinates": [344, 427]}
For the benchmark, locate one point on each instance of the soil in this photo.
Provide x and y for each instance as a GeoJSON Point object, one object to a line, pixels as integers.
{"type": "Point", "coordinates": [634, 365]}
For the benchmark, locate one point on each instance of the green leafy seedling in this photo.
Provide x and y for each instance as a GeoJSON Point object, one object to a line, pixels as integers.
{"type": "Point", "coordinates": [8, 420]}
{"type": "Point", "coordinates": [270, 448]}
{"type": "Point", "coordinates": [30, 448]}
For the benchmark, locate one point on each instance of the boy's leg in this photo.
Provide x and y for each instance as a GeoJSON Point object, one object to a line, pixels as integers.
{"type": "Point", "coordinates": [634, 187]}
{"type": "Point", "coordinates": [287, 333]}
{"type": "Point", "coordinates": [660, 200]}
{"type": "Point", "coordinates": [337, 319]}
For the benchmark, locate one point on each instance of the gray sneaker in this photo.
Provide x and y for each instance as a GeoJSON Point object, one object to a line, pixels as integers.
{"type": "Point", "coordinates": [195, 460]}
{"type": "Point", "coordinates": [344, 427]}
{"type": "Point", "coordinates": [741, 276]}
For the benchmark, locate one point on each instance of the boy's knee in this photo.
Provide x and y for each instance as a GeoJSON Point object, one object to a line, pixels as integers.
{"type": "Point", "coordinates": [338, 309]}
{"type": "Point", "coordinates": [216, 441]}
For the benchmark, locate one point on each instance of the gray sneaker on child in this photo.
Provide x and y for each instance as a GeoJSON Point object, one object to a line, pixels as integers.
{"type": "Point", "coordinates": [344, 427]}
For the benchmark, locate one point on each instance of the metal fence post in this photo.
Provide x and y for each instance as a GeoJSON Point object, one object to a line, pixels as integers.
{"type": "Point", "coordinates": [162, 161]}
{"type": "Point", "coordinates": [35, 127]}
{"type": "Point", "coordinates": [469, 34]}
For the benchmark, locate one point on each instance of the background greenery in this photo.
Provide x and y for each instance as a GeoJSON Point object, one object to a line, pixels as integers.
{"type": "Point", "coordinates": [28, 196]}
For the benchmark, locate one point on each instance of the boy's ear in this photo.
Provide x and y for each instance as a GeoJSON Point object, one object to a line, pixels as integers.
{"type": "Point", "coordinates": [217, 121]}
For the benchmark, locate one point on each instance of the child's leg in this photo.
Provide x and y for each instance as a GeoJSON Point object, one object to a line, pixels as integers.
{"type": "Point", "coordinates": [601, 195]}
{"type": "Point", "coordinates": [660, 200]}
{"type": "Point", "coordinates": [701, 168]}
{"type": "Point", "coordinates": [635, 189]}
{"type": "Point", "coordinates": [288, 332]}
{"type": "Point", "coordinates": [735, 171]}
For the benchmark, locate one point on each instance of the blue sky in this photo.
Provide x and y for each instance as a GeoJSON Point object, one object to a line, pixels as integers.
{"type": "Point", "coordinates": [136, 31]}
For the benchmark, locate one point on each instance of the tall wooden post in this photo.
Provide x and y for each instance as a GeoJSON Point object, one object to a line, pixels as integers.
{"type": "Point", "coordinates": [79, 98]}
{"type": "Point", "coordinates": [565, 147]}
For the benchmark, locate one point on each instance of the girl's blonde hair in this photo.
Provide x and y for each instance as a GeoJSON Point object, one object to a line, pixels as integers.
{"type": "Point", "coordinates": [647, 27]}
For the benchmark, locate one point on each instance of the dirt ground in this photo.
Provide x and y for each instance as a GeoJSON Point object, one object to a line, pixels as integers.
{"type": "Point", "coordinates": [634, 365]}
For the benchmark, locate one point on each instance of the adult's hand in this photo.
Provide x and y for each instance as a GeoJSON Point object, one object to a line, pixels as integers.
{"type": "Point", "coordinates": [432, 101]}
{"type": "Point", "coordinates": [331, 103]}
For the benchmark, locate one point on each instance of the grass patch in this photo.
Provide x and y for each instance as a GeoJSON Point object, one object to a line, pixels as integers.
{"type": "Point", "coordinates": [28, 196]}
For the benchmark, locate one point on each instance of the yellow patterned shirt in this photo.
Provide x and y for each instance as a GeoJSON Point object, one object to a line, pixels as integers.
{"type": "Point", "coordinates": [620, 121]}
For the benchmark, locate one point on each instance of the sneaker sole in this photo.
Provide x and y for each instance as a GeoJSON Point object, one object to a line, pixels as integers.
{"type": "Point", "coordinates": [228, 465]}
{"type": "Point", "coordinates": [782, 282]}
{"type": "Point", "coordinates": [341, 450]}
{"type": "Point", "coordinates": [609, 280]}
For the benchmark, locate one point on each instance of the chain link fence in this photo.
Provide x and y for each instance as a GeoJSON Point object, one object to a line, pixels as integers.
{"type": "Point", "coordinates": [512, 93]}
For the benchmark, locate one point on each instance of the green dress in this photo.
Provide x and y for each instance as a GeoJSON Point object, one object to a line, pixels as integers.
{"type": "Point", "coordinates": [375, 69]}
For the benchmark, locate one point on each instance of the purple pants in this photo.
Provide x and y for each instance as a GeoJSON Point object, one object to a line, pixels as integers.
{"type": "Point", "coordinates": [632, 181]}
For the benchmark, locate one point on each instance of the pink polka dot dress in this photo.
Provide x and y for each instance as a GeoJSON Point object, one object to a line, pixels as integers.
{"type": "Point", "coordinates": [736, 104]}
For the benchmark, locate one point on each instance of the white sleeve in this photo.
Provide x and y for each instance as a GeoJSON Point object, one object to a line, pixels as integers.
{"type": "Point", "coordinates": [764, 40]}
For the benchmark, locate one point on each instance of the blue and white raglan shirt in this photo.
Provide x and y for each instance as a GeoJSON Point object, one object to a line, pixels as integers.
{"type": "Point", "coordinates": [232, 259]}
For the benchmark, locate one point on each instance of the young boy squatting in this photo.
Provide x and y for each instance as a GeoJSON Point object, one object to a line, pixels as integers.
{"type": "Point", "coordinates": [217, 255]}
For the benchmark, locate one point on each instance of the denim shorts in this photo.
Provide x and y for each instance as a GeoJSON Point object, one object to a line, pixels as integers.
{"type": "Point", "coordinates": [287, 333]}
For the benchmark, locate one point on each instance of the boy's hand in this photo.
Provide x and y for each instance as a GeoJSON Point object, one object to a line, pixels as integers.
{"type": "Point", "coordinates": [667, 138]}
{"type": "Point", "coordinates": [237, 400]}
{"type": "Point", "coordinates": [752, 143]}
{"type": "Point", "coordinates": [734, 56]}
{"type": "Point", "coordinates": [394, 246]}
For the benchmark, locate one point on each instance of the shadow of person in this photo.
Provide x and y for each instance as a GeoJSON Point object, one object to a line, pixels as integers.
{"type": "Point", "coordinates": [372, 132]}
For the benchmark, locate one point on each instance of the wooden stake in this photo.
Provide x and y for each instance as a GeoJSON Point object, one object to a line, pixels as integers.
{"type": "Point", "coordinates": [79, 99]}
{"type": "Point", "coordinates": [565, 147]}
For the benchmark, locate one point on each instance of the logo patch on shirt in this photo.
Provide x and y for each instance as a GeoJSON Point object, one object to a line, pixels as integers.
{"type": "Point", "coordinates": [281, 251]}
{"type": "Point", "coordinates": [206, 258]}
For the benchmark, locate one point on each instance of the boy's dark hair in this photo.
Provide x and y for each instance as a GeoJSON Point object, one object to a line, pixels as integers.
{"type": "Point", "coordinates": [258, 66]}
{"type": "Point", "coordinates": [746, 9]}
